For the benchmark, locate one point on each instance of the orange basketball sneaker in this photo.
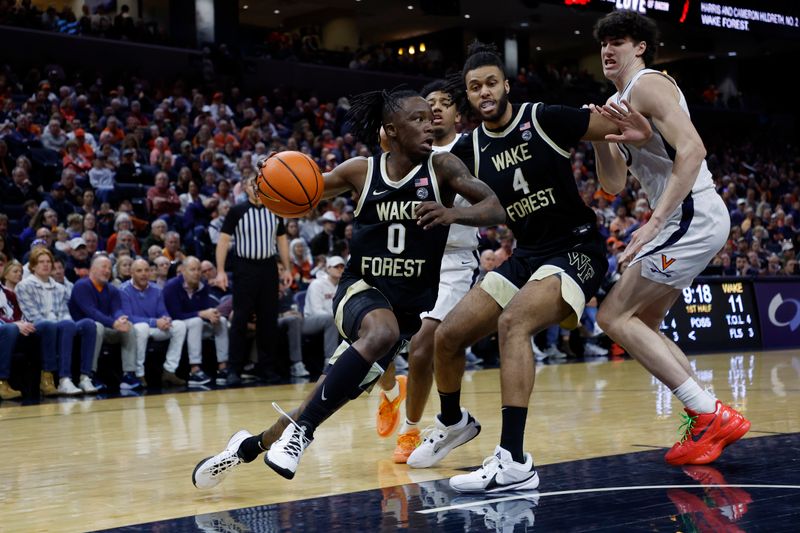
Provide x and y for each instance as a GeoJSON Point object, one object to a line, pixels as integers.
{"type": "Point", "coordinates": [706, 434]}
{"type": "Point", "coordinates": [388, 416]}
{"type": "Point", "coordinates": [406, 443]}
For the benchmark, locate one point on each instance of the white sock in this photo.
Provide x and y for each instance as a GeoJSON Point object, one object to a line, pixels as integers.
{"type": "Point", "coordinates": [407, 426]}
{"type": "Point", "coordinates": [695, 398]}
{"type": "Point", "coordinates": [392, 394]}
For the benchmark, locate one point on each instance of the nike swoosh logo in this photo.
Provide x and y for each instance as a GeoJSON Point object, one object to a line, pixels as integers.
{"type": "Point", "coordinates": [468, 263]}
{"type": "Point", "coordinates": [696, 438]}
{"type": "Point", "coordinates": [324, 398]}
{"type": "Point", "coordinates": [485, 147]}
{"type": "Point", "coordinates": [378, 193]}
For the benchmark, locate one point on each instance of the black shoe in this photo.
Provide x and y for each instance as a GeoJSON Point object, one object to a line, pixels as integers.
{"type": "Point", "coordinates": [233, 379]}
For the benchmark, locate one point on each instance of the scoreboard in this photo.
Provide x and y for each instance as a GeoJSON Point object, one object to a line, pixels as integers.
{"type": "Point", "coordinates": [715, 315]}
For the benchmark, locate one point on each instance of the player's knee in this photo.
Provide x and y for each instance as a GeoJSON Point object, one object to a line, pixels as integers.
{"type": "Point", "coordinates": [512, 321]}
{"type": "Point", "coordinates": [379, 341]}
{"type": "Point", "coordinates": [606, 320]}
{"type": "Point", "coordinates": [447, 340]}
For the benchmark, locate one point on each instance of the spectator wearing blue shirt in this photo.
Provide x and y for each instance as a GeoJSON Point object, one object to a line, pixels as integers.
{"type": "Point", "coordinates": [186, 298]}
{"type": "Point", "coordinates": [143, 303]}
{"type": "Point", "coordinates": [94, 297]}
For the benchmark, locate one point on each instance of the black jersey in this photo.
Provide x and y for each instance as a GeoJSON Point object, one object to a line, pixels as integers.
{"type": "Point", "coordinates": [527, 166]}
{"type": "Point", "coordinates": [388, 249]}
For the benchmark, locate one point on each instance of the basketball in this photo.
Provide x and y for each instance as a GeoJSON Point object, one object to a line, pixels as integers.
{"type": "Point", "coordinates": [289, 184]}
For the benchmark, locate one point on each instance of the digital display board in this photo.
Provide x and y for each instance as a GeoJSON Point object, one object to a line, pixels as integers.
{"type": "Point", "coordinates": [715, 315]}
{"type": "Point", "coordinates": [769, 19]}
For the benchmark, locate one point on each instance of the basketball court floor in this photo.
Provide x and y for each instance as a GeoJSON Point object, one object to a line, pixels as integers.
{"type": "Point", "coordinates": [597, 430]}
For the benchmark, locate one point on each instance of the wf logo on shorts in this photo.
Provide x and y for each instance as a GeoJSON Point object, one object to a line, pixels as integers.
{"type": "Point", "coordinates": [776, 303]}
{"type": "Point", "coordinates": [582, 264]}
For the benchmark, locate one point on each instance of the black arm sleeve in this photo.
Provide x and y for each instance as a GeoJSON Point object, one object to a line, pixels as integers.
{"type": "Point", "coordinates": [564, 125]}
{"type": "Point", "coordinates": [463, 150]}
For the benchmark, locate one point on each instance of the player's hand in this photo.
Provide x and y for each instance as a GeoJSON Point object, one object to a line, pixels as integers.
{"type": "Point", "coordinates": [431, 214]}
{"type": "Point", "coordinates": [164, 323]}
{"type": "Point", "coordinates": [264, 161]}
{"type": "Point", "coordinates": [221, 281]}
{"type": "Point", "coordinates": [639, 238]}
{"type": "Point", "coordinates": [592, 108]}
{"type": "Point", "coordinates": [635, 127]}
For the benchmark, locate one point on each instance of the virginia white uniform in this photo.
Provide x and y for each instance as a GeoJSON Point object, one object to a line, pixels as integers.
{"type": "Point", "coordinates": [460, 260]}
{"type": "Point", "coordinates": [697, 229]}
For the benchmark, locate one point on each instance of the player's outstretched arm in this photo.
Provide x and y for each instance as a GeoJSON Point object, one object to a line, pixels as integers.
{"type": "Point", "coordinates": [629, 127]}
{"type": "Point", "coordinates": [348, 176]}
{"type": "Point", "coordinates": [485, 210]}
{"type": "Point", "coordinates": [612, 170]}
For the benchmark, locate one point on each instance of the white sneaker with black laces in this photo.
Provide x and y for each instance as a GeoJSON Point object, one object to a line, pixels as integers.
{"type": "Point", "coordinates": [212, 470]}
{"type": "Point", "coordinates": [439, 440]}
{"type": "Point", "coordinates": [499, 473]}
{"type": "Point", "coordinates": [285, 453]}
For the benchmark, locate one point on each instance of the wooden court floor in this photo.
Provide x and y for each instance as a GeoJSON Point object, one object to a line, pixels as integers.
{"type": "Point", "coordinates": [77, 465]}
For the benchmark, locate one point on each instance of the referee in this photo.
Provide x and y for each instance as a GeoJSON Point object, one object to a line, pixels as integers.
{"type": "Point", "coordinates": [259, 235]}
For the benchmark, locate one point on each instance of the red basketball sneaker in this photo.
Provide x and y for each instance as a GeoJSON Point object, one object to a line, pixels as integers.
{"type": "Point", "coordinates": [731, 501]}
{"type": "Point", "coordinates": [706, 434]}
{"type": "Point", "coordinates": [698, 516]}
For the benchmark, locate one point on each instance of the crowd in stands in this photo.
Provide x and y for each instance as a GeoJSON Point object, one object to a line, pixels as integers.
{"type": "Point", "coordinates": [126, 188]}
{"type": "Point", "coordinates": [100, 22]}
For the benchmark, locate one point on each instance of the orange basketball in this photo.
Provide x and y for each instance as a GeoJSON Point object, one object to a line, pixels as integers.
{"type": "Point", "coordinates": [290, 184]}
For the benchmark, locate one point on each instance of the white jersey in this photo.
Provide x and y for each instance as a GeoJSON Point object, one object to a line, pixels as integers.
{"type": "Point", "coordinates": [460, 237]}
{"type": "Point", "coordinates": [652, 163]}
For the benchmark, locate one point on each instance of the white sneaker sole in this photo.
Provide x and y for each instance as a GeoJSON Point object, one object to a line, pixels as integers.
{"type": "Point", "coordinates": [285, 472]}
{"type": "Point", "coordinates": [236, 441]}
{"type": "Point", "coordinates": [528, 484]}
{"type": "Point", "coordinates": [462, 439]}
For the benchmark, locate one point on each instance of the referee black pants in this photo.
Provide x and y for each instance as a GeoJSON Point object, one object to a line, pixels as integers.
{"type": "Point", "coordinates": [255, 293]}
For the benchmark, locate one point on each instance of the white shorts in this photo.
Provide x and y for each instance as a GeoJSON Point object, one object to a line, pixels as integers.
{"type": "Point", "coordinates": [459, 270]}
{"type": "Point", "coordinates": [692, 236]}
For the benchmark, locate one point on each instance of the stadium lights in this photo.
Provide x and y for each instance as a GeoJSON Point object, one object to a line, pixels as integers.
{"type": "Point", "coordinates": [399, 51]}
{"type": "Point", "coordinates": [422, 48]}
{"type": "Point", "coordinates": [466, 15]}
{"type": "Point", "coordinates": [277, 11]}
{"type": "Point", "coordinates": [524, 24]}
{"type": "Point", "coordinates": [411, 51]}
{"type": "Point", "coordinates": [410, 7]}
{"type": "Point", "coordinates": [245, 6]}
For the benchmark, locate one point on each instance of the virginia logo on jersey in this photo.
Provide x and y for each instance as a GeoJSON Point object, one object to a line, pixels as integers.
{"type": "Point", "coordinates": [665, 262]}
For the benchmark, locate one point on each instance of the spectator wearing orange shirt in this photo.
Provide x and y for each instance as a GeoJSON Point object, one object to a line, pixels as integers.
{"type": "Point", "coordinates": [113, 128]}
{"type": "Point", "coordinates": [225, 135]}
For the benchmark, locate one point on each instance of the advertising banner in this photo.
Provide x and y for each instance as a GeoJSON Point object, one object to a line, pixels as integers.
{"type": "Point", "coordinates": [779, 313]}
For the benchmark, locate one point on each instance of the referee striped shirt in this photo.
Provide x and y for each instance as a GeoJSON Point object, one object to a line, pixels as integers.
{"type": "Point", "coordinates": [255, 230]}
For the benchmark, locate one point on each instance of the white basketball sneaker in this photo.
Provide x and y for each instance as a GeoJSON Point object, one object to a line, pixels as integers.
{"type": "Point", "coordinates": [437, 441]}
{"type": "Point", "coordinates": [212, 470]}
{"type": "Point", "coordinates": [498, 473]}
{"type": "Point", "coordinates": [285, 453]}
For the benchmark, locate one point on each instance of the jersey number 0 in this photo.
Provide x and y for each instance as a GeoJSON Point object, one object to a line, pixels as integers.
{"type": "Point", "coordinates": [396, 241]}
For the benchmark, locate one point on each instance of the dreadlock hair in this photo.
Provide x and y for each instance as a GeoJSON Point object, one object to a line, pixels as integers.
{"type": "Point", "coordinates": [480, 55]}
{"type": "Point", "coordinates": [621, 24]}
{"type": "Point", "coordinates": [371, 110]}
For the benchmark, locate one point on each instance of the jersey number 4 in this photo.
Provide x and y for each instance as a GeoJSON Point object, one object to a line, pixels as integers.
{"type": "Point", "coordinates": [519, 182]}
{"type": "Point", "coordinates": [396, 241]}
